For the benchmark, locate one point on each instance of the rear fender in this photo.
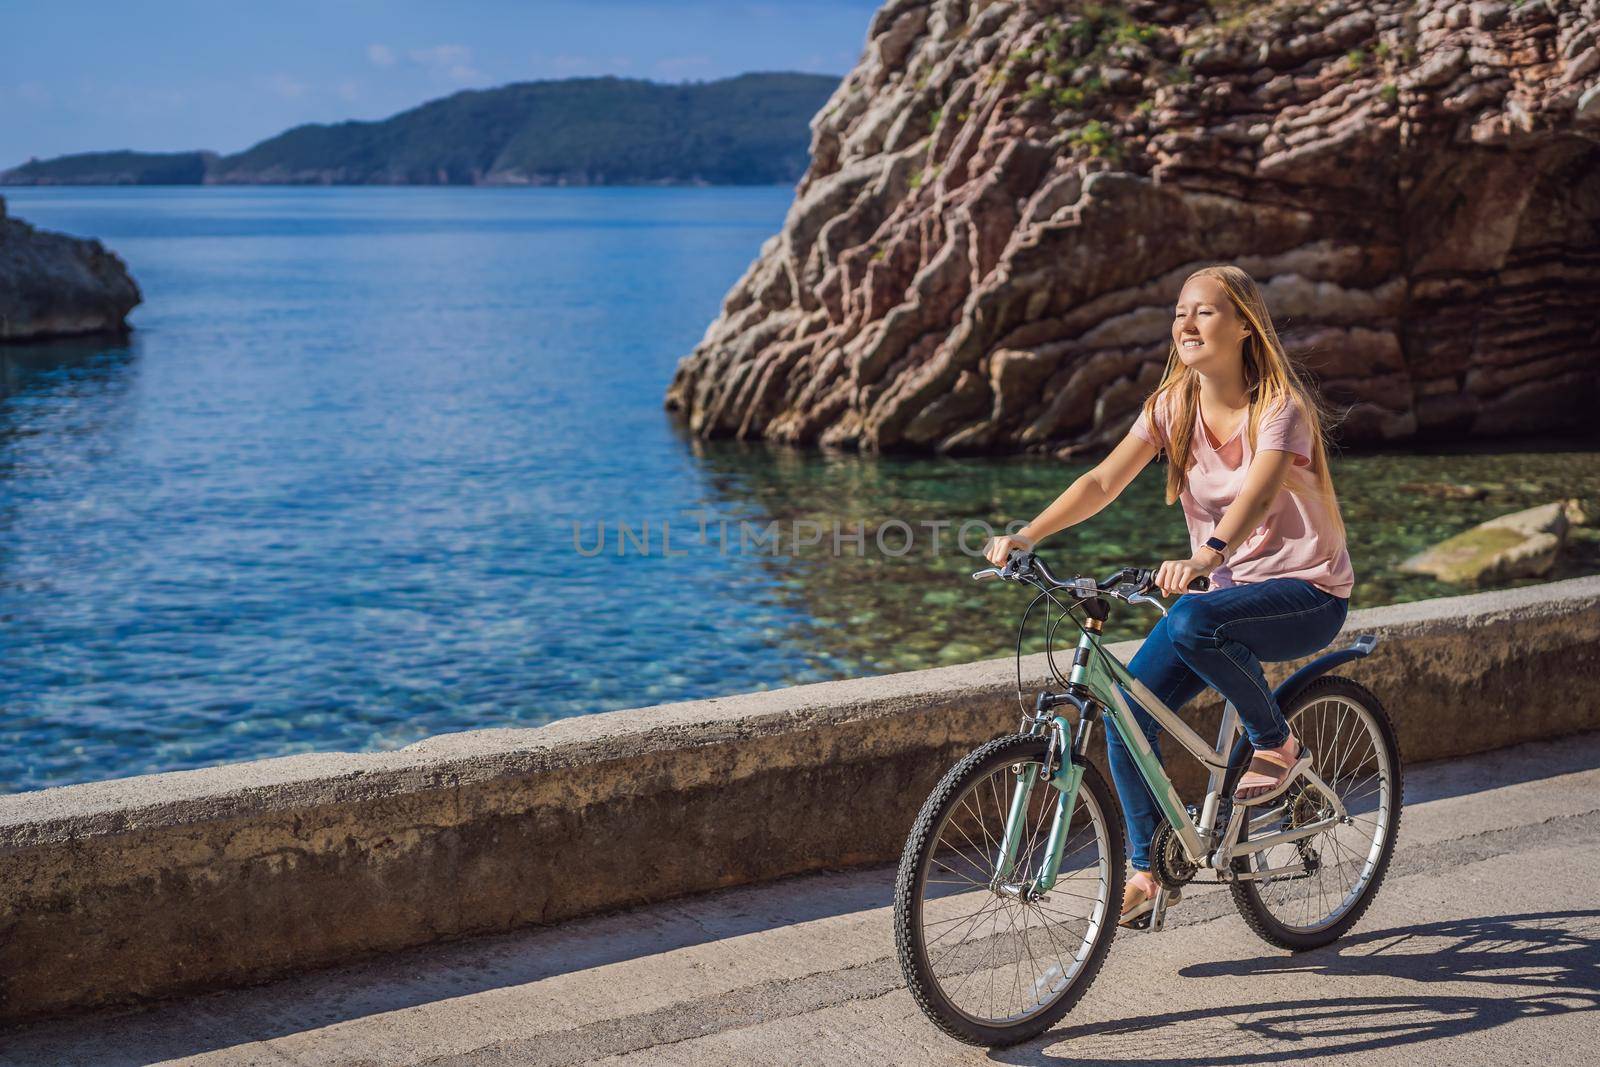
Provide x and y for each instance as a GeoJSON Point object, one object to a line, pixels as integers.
{"type": "Point", "coordinates": [1291, 686]}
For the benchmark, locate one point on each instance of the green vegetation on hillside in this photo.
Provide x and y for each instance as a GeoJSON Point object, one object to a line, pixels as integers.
{"type": "Point", "coordinates": [752, 129]}
{"type": "Point", "coordinates": [113, 168]}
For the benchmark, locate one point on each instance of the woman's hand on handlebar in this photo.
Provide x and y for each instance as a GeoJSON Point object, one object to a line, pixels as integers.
{"type": "Point", "coordinates": [999, 549]}
{"type": "Point", "coordinates": [1174, 575]}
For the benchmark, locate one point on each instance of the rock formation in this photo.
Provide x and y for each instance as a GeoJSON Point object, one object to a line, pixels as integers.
{"type": "Point", "coordinates": [1523, 544]}
{"type": "Point", "coordinates": [1005, 196]}
{"type": "Point", "coordinates": [52, 285]}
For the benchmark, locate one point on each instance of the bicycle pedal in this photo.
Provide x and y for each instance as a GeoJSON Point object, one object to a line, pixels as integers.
{"type": "Point", "coordinates": [1140, 922]}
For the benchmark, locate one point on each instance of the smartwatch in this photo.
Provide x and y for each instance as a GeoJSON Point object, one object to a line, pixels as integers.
{"type": "Point", "coordinates": [1219, 544]}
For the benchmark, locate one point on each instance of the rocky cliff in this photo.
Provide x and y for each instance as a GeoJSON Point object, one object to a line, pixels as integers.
{"type": "Point", "coordinates": [53, 285]}
{"type": "Point", "coordinates": [1004, 198]}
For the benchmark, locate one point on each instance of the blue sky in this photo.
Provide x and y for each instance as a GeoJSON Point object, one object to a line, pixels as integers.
{"type": "Point", "coordinates": [166, 75]}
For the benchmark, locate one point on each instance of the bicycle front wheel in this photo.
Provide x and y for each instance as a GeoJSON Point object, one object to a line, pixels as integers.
{"type": "Point", "coordinates": [1329, 878]}
{"type": "Point", "coordinates": [987, 965]}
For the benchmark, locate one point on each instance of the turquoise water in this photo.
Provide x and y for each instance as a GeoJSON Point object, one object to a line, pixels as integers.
{"type": "Point", "coordinates": [324, 497]}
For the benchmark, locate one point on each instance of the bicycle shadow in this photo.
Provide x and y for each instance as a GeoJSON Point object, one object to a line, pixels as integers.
{"type": "Point", "coordinates": [1541, 964]}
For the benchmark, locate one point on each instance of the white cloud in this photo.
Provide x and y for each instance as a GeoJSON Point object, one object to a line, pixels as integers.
{"type": "Point", "coordinates": [348, 91]}
{"type": "Point", "coordinates": [287, 87]}
{"type": "Point", "coordinates": [449, 61]}
{"type": "Point", "coordinates": [381, 55]}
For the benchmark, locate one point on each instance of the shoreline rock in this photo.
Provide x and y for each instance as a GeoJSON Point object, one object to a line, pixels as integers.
{"type": "Point", "coordinates": [1004, 198]}
{"type": "Point", "coordinates": [53, 285]}
{"type": "Point", "coordinates": [1523, 544]}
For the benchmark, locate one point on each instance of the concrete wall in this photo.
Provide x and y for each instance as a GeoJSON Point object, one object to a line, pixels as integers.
{"type": "Point", "coordinates": [144, 887]}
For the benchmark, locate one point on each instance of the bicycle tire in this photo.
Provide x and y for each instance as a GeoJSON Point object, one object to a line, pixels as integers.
{"type": "Point", "coordinates": [912, 882]}
{"type": "Point", "coordinates": [1249, 896]}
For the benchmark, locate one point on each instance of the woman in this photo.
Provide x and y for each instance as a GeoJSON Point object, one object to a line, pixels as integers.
{"type": "Point", "coordinates": [1243, 437]}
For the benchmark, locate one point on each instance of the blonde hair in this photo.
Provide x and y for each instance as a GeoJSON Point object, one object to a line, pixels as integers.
{"type": "Point", "coordinates": [1270, 378]}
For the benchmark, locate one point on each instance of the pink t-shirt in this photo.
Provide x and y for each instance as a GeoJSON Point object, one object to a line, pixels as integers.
{"type": "Point", "coordinates": [1297, 539]}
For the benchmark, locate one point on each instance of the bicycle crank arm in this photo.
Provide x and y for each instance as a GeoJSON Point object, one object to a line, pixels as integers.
{"type": "Point", "coordinates": [1158, 914]}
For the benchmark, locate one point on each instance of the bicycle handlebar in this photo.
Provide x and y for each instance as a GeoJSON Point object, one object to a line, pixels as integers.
{"type": "Point", "coordinates": [1124, 584]}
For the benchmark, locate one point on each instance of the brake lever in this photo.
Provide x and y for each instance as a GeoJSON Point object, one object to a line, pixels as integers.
{"type": "Point", "coordinates": [1017, 565]}
{"type": "Point", "coordinates": [1145, 598]}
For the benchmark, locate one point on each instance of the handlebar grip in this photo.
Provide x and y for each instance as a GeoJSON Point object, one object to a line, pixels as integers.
{"type": "Point", "coordinates": [1200, 584]}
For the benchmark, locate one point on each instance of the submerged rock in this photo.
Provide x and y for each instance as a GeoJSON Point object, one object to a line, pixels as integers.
{"type": "Point", "coordinates": [1524, 544]}
{"type": "Point", "coordinates": [1005, 196]}
{"type": "Point", "coordinates": [52, 285]}
{"type": "Point", "coordinates": [1445, 490]}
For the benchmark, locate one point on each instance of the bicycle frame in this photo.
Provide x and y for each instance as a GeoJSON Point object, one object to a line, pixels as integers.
{"type": "Point", "coordinates": [1093, 688]}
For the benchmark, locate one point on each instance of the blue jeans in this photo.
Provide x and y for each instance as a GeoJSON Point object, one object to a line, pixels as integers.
{"type": "Point", "coordinates": [1219, 639]}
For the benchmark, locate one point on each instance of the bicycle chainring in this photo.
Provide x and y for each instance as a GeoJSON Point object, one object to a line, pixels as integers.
{"type": "Point", "coordinates": [1168, 862]}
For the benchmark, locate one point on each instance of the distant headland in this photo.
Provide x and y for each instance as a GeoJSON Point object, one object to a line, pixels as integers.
{"type": "Point", "coordinates": [748, 130]}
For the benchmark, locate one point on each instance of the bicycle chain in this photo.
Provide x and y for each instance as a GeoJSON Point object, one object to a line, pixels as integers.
{"type": "Point", "coordinates": [1168, 862]}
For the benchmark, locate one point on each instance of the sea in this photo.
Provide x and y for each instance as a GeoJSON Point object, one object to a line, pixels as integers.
{"type": "Point", "coordinates": [377, 464]}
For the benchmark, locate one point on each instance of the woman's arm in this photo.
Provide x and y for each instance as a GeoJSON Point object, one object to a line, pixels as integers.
{"type": "Point", "coordinates": [1085, 497]}
{"type": "Point", "coordinates": [1090, 494]}
{"type": "Point", "coordinates": [1262, 483]}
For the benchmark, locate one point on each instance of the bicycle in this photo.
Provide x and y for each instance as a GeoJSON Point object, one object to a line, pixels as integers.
{"type": "Point", "coordinates": [1010, 885]}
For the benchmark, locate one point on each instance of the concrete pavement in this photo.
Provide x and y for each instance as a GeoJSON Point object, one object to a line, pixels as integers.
{"type": "Point", "coordinates": [1482, 947]}
{"type": "Point", "coordinates": [129, 890]}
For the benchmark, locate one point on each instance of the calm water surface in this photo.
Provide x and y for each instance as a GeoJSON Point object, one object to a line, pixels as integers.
{"type": "Point", "coordinates": [325, 496]}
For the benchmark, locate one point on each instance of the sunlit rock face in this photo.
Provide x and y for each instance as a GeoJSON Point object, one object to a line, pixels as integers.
{"type": "Point", "coordinates": [1005, 197]}
{"type": "Point", "coordinates": [52, 285]}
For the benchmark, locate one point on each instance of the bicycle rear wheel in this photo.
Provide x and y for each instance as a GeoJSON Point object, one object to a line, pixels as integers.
{"type": "Point", "coordinates": [1356, 754]}
{"type": "Point", "coordinates": [986, 966]}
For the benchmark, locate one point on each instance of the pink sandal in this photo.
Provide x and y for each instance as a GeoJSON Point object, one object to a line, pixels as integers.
{"type": "Point", "coordinates": [1271, 771]}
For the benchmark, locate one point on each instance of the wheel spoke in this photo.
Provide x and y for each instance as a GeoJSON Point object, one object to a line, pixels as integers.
{"type": "Point", "coordinates": [1353, 759]}
{"type": "Point", "coordinates": [977, 920]}
{"type": "Point", "coordinates": [998, 958]}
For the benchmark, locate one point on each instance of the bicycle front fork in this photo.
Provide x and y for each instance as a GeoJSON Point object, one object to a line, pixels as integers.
{"type": "Point", "coordinates": [1066, 763]}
